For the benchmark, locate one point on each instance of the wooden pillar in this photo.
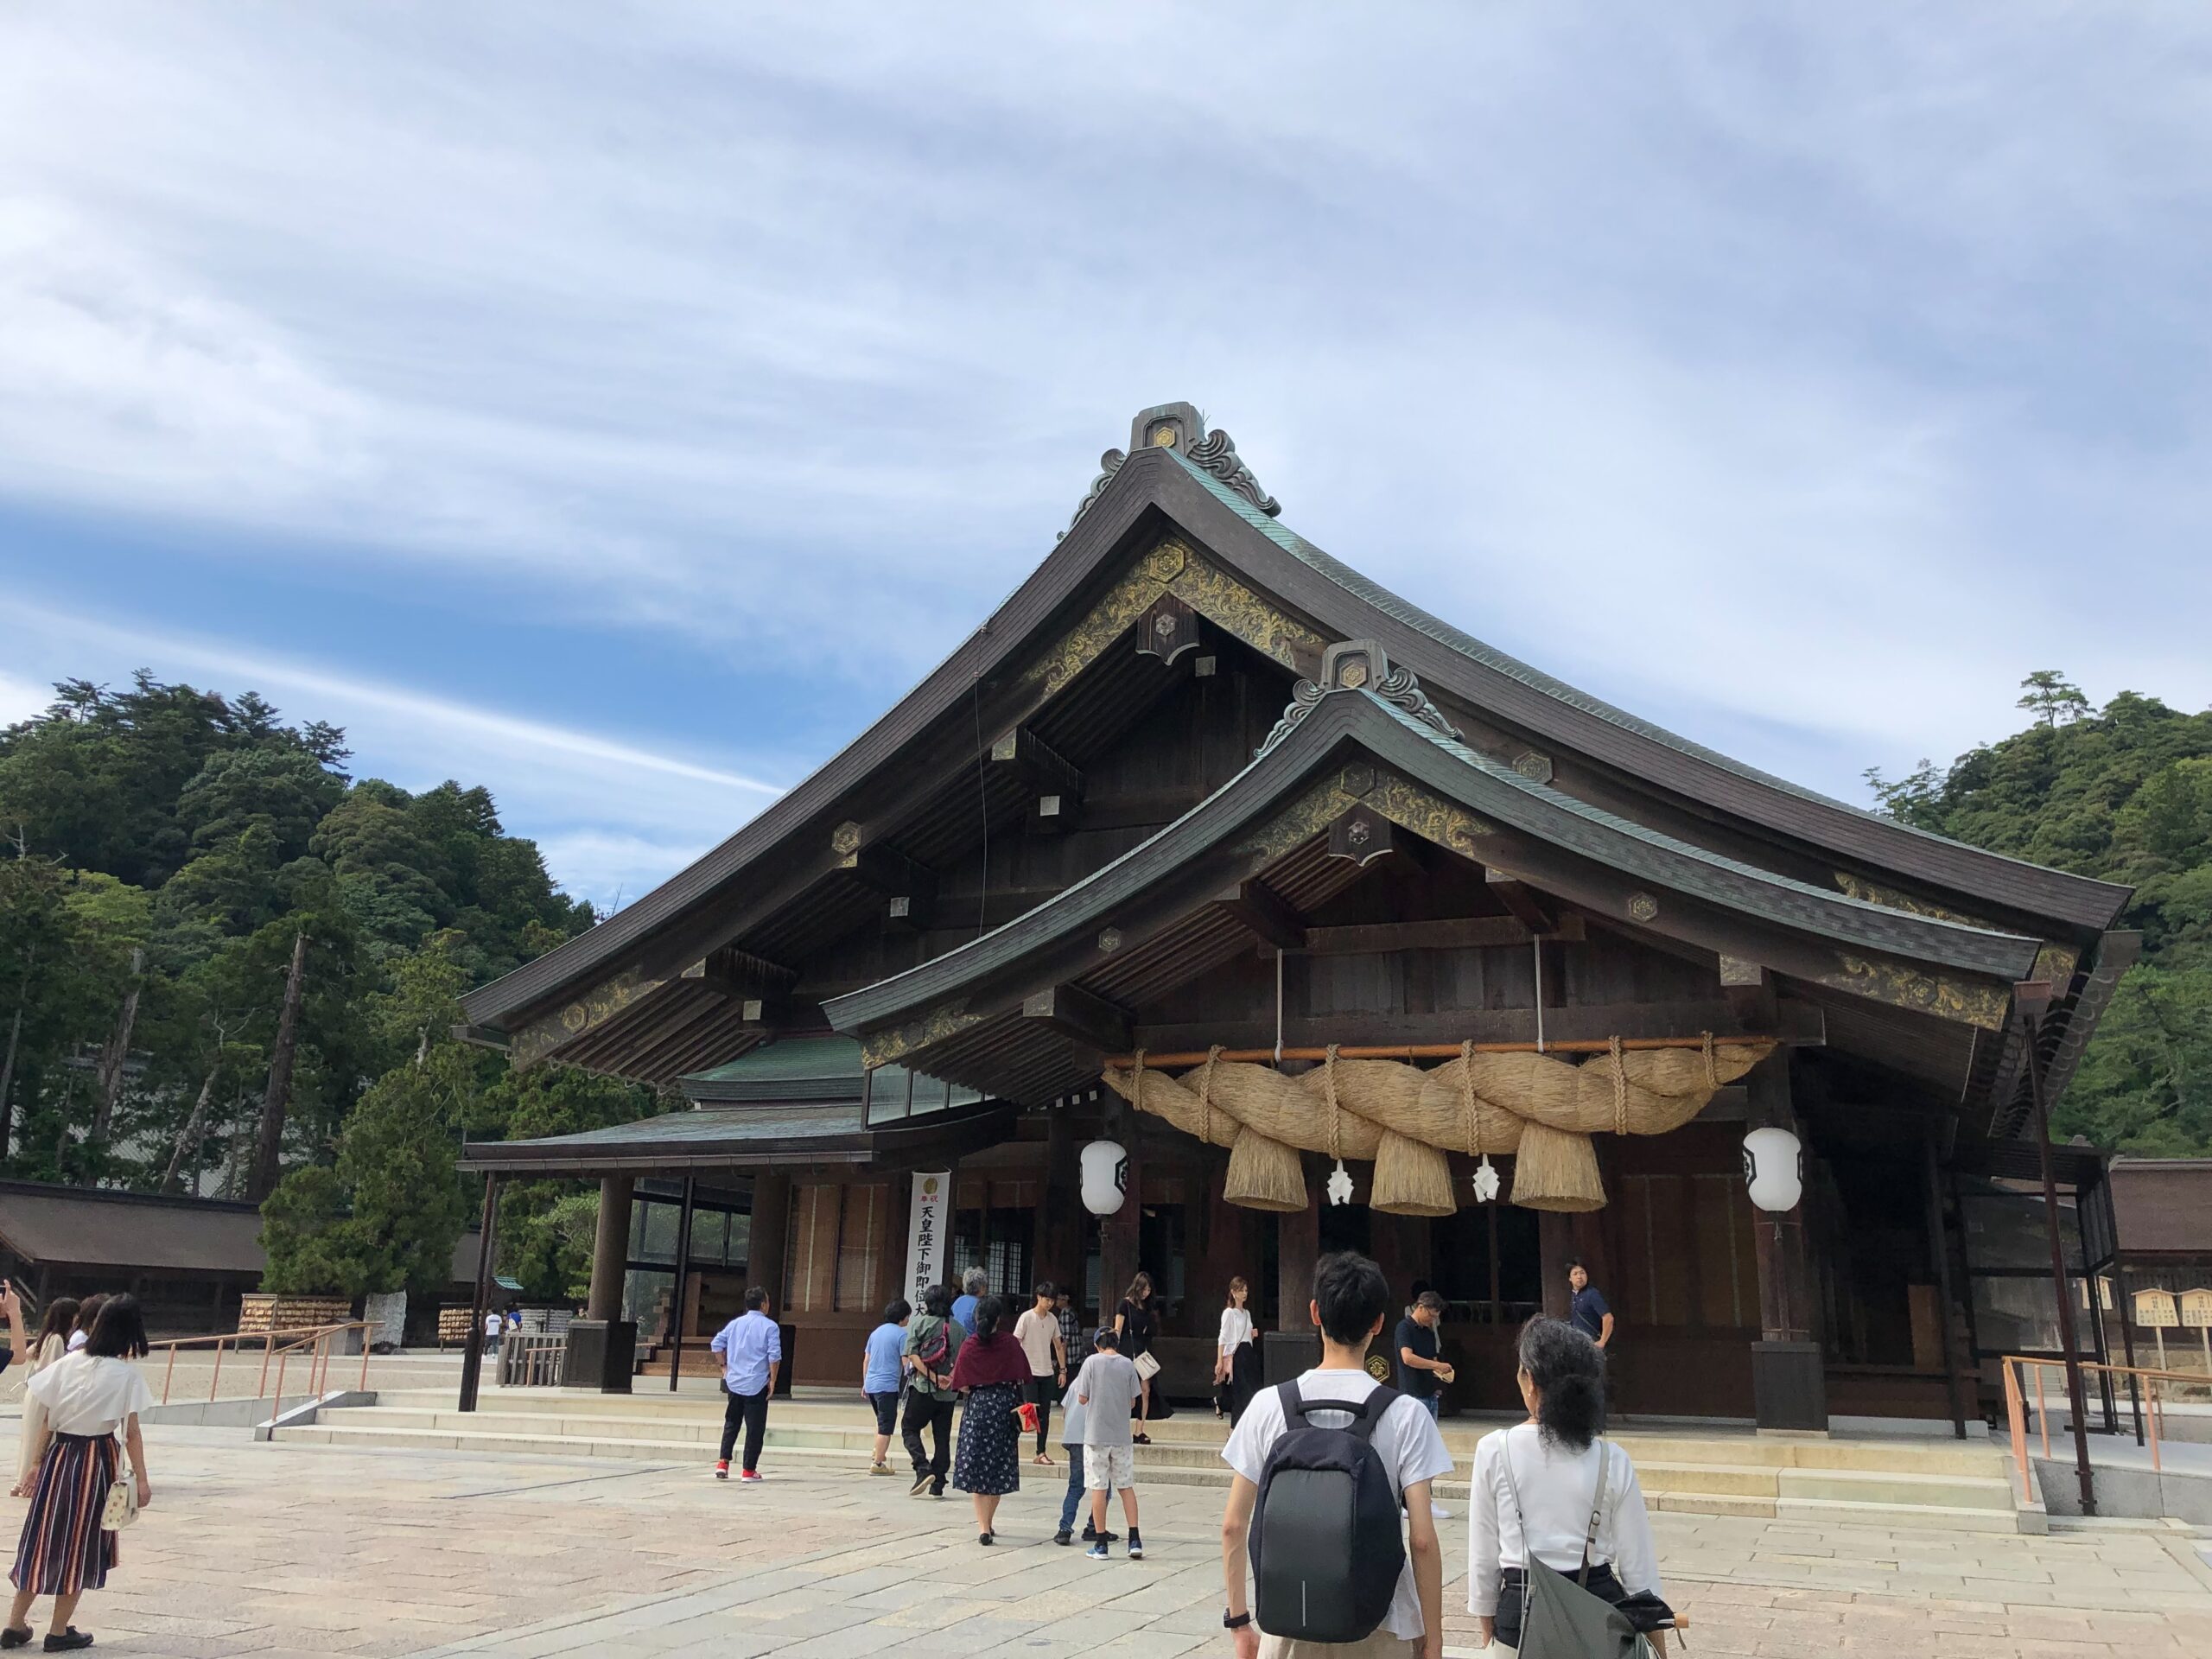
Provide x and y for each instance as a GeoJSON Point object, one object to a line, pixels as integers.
{"type": "Point", "coordinates": [1554, 1250]}
{"type": "Point", "coordinates": [678, 1304]}
{"type": "Point", "coordinates": [1057, 1251]}
{"type": "Point", "coordinates": [610, 1250]}
{"type": "Point", "coordinates": [472, 1358]}
{"type": "Point", "coordinates": [1789, 1371]}
{"type": "Point", "coordinates": [1298, 1248]}
{"type": "Point", "coordinates": [768, 1234]}
{"type": "Point", "coordinates": [1939, 1249]}
{"type": "Point", "coordinates": [1118, 1262]}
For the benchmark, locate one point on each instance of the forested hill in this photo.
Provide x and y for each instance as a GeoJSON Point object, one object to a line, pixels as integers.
{"type": "Point", "coordinates": [178, 867]}
{"type": "Point", "coordinates": [2122, 792]}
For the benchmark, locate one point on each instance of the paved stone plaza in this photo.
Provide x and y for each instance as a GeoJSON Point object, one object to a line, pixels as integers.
{"type": "Point", "coordinates": [276, 1550]}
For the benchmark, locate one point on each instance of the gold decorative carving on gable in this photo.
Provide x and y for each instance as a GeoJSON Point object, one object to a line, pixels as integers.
{"type": "Point", "coordinates": [1164, 563]}
{"type": "Point", "coordinates": [1857, 887]}
{"type": "Point", "coordinates": [2055, 963]}
{"type": "Point", "coordinates": [882, 1047]}
{"type": "Point", "coordinates": [1972, 1002]}
{"type": "Point", "coordinates": [1081, 646]}
{"type": "Point", "coordinates": [1303, 819]}
{"type": "Point", "coordinates": [1173, 567]}
{"type": "Point", "coordinates": [574, 1019]}
{"type": "Point", "coordinates": [1430, 817]}
{"type": "Point", "coordinates": [1235, 609]}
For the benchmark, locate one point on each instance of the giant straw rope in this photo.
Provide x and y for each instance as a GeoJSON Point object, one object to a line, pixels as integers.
{"type": "Point", "coordinates": [1539, 1107]}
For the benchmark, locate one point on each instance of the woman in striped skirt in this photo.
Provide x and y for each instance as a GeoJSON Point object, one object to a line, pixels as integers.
{"type": "Point", "coordinates": [92, 1398]}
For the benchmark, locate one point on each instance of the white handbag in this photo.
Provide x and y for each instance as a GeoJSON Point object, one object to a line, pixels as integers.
{"type": "Point", "coordinates": [1147, 1367]}
{"type": "Point", "coordinates": [121, 1506]}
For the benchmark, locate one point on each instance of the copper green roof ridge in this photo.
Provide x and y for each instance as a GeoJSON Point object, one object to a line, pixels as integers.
{"type": "Point", "coordinates": [1558, 798]}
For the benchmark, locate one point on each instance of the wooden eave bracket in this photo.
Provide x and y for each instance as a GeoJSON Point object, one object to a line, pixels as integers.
{"type": "Point", "coordinates": [1535, 912]}
{"type": "Point", "coordinates": [1264, 913]}
{"type": "Point", "coordinates": [1079, 1016]}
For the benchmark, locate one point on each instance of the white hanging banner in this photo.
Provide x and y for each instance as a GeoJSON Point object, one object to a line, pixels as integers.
{"type": "Point", "coordinates": [926, 1232]}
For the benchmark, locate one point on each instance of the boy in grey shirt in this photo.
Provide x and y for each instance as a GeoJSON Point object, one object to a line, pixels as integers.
{"type": "Point", "coordinates": [1107, 1388]}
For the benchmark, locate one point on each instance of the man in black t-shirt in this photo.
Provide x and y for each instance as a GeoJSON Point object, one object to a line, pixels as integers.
{"type": "Point", "coordinates": [1421, 1373]}
{"type": "Point", "coordinates": [1420, 1370]}
{"type": "Point", "coordinates": [1587, 1311]}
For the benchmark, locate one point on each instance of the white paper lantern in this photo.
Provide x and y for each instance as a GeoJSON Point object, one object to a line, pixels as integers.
{"type": "Point", "coordinates": [1105, 1177]}
{"type": "Point", "coordinates": [1774, 1168]}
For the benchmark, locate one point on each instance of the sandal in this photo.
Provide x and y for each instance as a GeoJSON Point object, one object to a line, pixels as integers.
{"type": "Point", "coordinates": [1141, 1439]}
{"type": "Point", "coordinates": [1043, 1462]}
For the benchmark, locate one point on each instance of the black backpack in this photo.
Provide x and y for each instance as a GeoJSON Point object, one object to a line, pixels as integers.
{"type": "Point", "coordinates": [1326, 1550]}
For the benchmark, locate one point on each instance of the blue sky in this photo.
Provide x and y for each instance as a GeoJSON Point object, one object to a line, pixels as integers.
{"type": "Point", "coordinates": [619, 407]}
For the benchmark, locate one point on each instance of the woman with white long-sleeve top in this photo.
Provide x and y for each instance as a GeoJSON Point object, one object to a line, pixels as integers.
{"type": "Point", "coordinates": [1237, 1356]}
{"type": "Point", "coordinates": [1535, 1485]}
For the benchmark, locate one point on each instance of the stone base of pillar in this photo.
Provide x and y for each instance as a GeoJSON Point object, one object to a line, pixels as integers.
{"type": "Point", "coordinates": [1790, 1387]}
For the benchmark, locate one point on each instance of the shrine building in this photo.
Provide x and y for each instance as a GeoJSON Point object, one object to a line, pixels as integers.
{"type": "Point", "coordinates": [1347, 931]}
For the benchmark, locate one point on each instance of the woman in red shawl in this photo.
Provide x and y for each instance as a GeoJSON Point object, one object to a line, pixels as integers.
{"type": "Point", "coordinates": [991, 1370]}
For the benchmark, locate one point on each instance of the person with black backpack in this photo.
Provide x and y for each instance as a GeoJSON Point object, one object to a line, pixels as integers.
{"type": "Point", "coordinates": [1323, 1465]}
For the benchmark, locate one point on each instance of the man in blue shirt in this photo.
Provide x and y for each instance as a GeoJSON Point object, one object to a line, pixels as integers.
{"type": "Point", "coordinates": [974, 1284]}
{"type": "Point", "coordinates": [752, 1349]}
{"type": "Point", "coordinates": [883, 1370]}
{"type": "Point", "coordinates": [1587, 1311]}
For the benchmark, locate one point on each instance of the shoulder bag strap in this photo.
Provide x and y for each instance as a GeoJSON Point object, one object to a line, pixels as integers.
{"type": "Point", "coordinates": [1597, 1508]}
{"type": "Point", "coordinates": [1520, 1520]}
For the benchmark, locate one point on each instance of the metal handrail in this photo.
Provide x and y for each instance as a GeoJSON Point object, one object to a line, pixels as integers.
{"type": "Point", "coordinates": [2016, 1405]}
{"type": "Point", "coordinates": [276, 1345]}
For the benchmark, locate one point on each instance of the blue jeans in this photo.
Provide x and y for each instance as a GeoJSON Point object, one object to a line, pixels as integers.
{"type": "Point", "coordinates": [1434, 1405]}
{"type": "Point", "coordinates": [1075, 1494]}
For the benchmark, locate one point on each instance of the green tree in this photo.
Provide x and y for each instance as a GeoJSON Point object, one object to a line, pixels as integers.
{"type": "Point", "coordinates": [2123, 793]}
{"type": "Point", "coordinates": [2051, 698]}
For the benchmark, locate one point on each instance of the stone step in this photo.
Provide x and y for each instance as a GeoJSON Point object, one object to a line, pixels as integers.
{"type": "Point", "coordinates": [1733, 1447]}
{"type": "Point", "coordinates": [1896, 1517]}
{"type": "Point", "coordinates": [1887, 1486]}
{"type": "Point", "coordinates": [1888, 1499]}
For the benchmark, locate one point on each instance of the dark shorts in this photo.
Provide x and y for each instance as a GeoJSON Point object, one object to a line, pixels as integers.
{"type": "Point", "coordinates": [886, 1412]}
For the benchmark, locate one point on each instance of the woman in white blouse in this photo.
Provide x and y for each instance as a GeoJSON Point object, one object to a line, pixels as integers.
{"type": "Point", "coordinates": [1237, 1356]}
{"type": "Point", "coordinates": [93, 1399]}
{"type": "Point", "coordinates": [1535, 1483]}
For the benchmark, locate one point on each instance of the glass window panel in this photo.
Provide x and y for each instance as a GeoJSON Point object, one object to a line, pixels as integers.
{"type": "Point", "coordinates": [2020, 1316]}
{"type": "Point", "coordinates": [2008, 1231]}
{"type": "Point", "coordinates": [658, 1243]}
{"type": "Point", "coordinates": [647, 1296]}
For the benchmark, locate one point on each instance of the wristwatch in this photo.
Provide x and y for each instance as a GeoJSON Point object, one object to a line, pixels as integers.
{"type": "Point", "coordinates": [1234, 1621]}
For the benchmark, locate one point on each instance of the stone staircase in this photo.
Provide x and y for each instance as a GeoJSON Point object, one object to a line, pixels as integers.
{"type": "Point", "coordinates": [1942, 1484]}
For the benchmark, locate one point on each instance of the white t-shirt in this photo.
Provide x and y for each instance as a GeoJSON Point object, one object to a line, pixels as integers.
{"type": "Point", "coordinates": [1407, 1438]}
{"type": "Point", "coordinates": [1556, 1486]}
{"type": "Point", "coordinates": [493, 1325]}
{"type": "Point", "coordinates": [83, 1395]}
{"type": "Point", "coordinates": [1235, 1329]}
{"type": "Point", "coordinates": [77, 1340]}
{"type": "Point", "coordinates": [1037, 1332]}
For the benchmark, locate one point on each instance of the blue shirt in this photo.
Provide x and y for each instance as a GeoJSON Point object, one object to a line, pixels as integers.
{"type": "Point", "coordinates": [1588, 1312]}
{"type": "Point", "coordinates": [883, 1370]}
{"type": "Point", "coordinates": [963, 1312]}
{"type": "Point", "coordinates": [749, 1344]}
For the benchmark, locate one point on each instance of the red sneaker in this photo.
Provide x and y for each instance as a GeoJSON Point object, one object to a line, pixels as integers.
{"type": "Point", "coordinates": [721, 1470]}
{"type": "Point", "coordinates": [751, 1476]}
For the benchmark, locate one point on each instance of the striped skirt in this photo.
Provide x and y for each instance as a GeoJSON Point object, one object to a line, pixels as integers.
{"type": "Point", "coordinates": [63, 1549]}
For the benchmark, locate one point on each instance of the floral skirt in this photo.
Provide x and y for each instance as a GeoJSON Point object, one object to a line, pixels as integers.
{"type": "Point", "coordinates": [63, 1549]}
{"type": "Point", "coordinates": [989, 1459]}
